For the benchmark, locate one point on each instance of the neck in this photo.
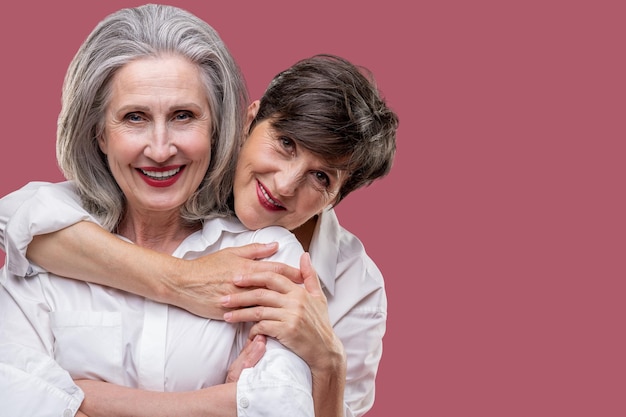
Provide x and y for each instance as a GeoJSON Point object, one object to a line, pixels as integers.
{"type": "Point", "coordinates": [304, 233]}
{"type": "Point", "coordinates": [161, 233]}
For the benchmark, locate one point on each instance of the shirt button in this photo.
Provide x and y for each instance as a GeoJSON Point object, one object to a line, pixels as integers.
{"type": "Point", "coordinates": [67, 413]}
{"type": "Point", "coordinates": [244, 402]}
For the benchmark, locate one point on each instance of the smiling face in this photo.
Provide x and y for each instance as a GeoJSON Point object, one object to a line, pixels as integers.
{"type": "Point", "coordinates": [157, 133]}
{"type": "Point", "coordinates": [278, 182]}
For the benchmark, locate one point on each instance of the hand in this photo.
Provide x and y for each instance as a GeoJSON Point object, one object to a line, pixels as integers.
{"type": "Point", "coordinates": [249, 356]}
{"type": "Point", "coordinates": [202, 282]}
{"type": "Point", "coordinates": [295, 315]}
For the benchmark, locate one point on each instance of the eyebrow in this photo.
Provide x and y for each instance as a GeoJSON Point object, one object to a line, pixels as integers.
{"type": "Point", "coordinates": [142, 108]}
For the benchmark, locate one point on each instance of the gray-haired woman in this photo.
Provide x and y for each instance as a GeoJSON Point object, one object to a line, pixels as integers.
{"type": "Point", "coordinates": [153, 108]}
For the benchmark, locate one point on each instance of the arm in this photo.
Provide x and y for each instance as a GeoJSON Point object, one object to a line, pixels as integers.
{"type": "Point", "coordinates": [279, 385]}
{"type": "Point", "coordinates": [298, 317]}
{"type": "Point", "coordinates": [87, 250]}
{"type": "Point", "coordinates": [102, 398]}
{"type": "Point", "coordinates": [357, 312]}
{"type": "Point", "coordinates": [192, 285]}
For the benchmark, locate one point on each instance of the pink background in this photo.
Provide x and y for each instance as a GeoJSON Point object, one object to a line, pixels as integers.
{"type": "Point", "coordinates": [500, 230]}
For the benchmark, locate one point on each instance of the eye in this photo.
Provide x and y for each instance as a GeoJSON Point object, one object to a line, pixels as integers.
{"type": "Point", "coordinates": [322, 178]}
{"type": "Point", "coordinates": [287, 143]}
{"type": "Point", "coordinates": [183, 115]}
{"type": "Point", "coordinates": [134, 117]}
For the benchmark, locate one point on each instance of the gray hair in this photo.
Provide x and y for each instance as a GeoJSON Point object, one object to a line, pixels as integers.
{"type": "Point", "coordinates": [122, 37]}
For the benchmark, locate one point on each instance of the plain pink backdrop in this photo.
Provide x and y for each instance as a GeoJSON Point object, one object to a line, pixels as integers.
{"type": "Point", "coordinates": [500, 230]}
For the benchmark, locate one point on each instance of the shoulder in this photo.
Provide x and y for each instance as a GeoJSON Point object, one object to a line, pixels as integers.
{"type": "Point", "coordinates": [229, 231]}
{"type": "Point", "coordinates": [274, 234]}
{"type": "Point", "coordinates": [353, 255]}
{"type": "Point", "coordinates": [341, 259]}
{"type": "Point", "coordinates": [65, 190]}
{"type": "Point", "coordinates": [289, 248]}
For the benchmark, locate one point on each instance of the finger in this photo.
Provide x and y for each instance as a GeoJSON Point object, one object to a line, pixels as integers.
{"type": "Point", "coordinates": [249, 356]}
{"type": "Point", "coordinates": [254, 351]}
{"type": "Point", "coordinates": [256, 250]}
{"type": "Point", "coordinates": [254, 314]}
{"type": "Point", "coordinates": [281, 331]}
{"type": "Point", "coordinates": [270, 280]}
{"type": "Point", "coordinates": [311, 280]}
{"type": "Point", "coordinates": [289, 272]}
{"type": "Point", "coordinates": [256, 297]}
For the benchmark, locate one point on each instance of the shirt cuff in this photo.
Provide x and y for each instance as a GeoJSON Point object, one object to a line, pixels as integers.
{"type": "Point", "coordinates": [279, 385]}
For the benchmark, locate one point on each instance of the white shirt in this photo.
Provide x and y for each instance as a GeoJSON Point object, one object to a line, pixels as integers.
{"type": "Point", "coordinates": [352, 283]}
{"type": "Point", "coordinates": [53, 330]}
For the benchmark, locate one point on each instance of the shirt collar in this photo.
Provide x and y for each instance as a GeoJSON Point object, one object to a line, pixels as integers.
{"type": "Point", "coordinates": [197, 244]}
{"type": "Point", "coordinates": [324, 248]}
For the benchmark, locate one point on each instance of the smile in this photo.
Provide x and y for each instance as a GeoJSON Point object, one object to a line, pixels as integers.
{"type": "Point", "coordinates": [267, 200]}
{"type": "Point", "coordinates": [161, 176]}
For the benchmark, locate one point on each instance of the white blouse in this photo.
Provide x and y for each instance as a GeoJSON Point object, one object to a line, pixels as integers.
{"type": "Point", "coordinates": [53, 330]}
{"type": "Point", "coordinates": [352, 283]}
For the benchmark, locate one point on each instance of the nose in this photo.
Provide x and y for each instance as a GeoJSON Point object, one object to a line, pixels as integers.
{"type": "Point", "coordinates": [288, 179]}
{"type": "Point", "coordinates": [160, 146]}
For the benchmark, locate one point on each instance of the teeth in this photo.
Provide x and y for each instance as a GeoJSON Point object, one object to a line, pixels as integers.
{"type": "Point", "coordinates": [161, 175]}
{"type": "Point", "coordinates": [268, 197]}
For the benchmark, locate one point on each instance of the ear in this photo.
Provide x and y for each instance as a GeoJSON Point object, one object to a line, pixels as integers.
{"type": "Point", "coordinates": [253, 109]}
{"type": "Point", "coordinates": [102, 143]}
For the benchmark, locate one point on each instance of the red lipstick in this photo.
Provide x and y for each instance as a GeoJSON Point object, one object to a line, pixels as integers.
{"type": "Point", "coordinates": [161, 176]}
{"type": "Point", "coordinates": [266, 199]}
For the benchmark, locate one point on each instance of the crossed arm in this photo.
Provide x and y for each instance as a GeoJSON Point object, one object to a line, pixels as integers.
{"type": "Point", "coordinates": [297, 316]}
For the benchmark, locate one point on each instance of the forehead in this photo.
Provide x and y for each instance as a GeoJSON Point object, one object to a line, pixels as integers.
{"type": "Point", "coordinates": [158, 78]}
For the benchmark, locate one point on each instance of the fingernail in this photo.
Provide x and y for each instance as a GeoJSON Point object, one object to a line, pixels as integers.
{"type": "Point", "coordinates": [225, 299]}
{"type": "Point", "coordinates": [238, 278]}
{"type": "Point", "coordinates": [227, 316]}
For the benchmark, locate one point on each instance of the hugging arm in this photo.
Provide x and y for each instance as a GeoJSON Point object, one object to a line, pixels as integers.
{"type": "Point", "coordinates": [299, 320]}
{"type": "Point", "coordinates": [69, 243]}
{"type": "Point", "coordinates": [355, 320]}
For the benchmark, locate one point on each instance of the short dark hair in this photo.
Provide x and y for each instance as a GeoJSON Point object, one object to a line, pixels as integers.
{"type": "Point", "coordinates": [333, 108]}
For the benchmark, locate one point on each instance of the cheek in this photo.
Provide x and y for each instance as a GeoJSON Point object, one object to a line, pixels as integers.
{"type": "Point", "coordinates": [120, 146]}
{"type": "Point", "coordinates": [199, 146]}
{"type": "Point", "coordinates": [314, 203]}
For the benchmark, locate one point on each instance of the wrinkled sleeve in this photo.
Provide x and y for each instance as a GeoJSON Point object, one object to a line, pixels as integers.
{"type": "Point", "coordinates": [33, 385]}
{"type": "Point", "coordinates": [36, 209]}
{"type": "Point", "coordinates": [31, 382]}
{"type": "Point", "coordinates": [10, 204]}
{"type": "Point", "coordinates": [361, 317]}
{"type": "Point", "coordinates": [280, 384]}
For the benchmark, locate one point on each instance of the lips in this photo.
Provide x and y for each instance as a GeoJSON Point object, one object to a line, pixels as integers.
{"type": "Point", "coordinates": [267, 200]}
{"type": "Point", "coordinates": [161, 176]}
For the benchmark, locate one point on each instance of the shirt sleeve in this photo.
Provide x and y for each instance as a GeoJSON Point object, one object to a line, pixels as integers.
{"type": "Point", "coordinates": [279, 385]}
{"type": "Point", "coordinates": [361, 331]}
{"type": "Point", "coordinates": [32, 383]}
{"type": "Point", "coordinates": [27, 212]}
{"type": "Point", "coordinates": [10, 203]}
{"type": "Point", "coordinates": [357, 307]}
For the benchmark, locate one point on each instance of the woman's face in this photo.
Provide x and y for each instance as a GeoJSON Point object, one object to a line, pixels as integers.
{"type": "Point", "coordinates": [157, 132]}
{"type": "Point", "coordinates": [278, 182]}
